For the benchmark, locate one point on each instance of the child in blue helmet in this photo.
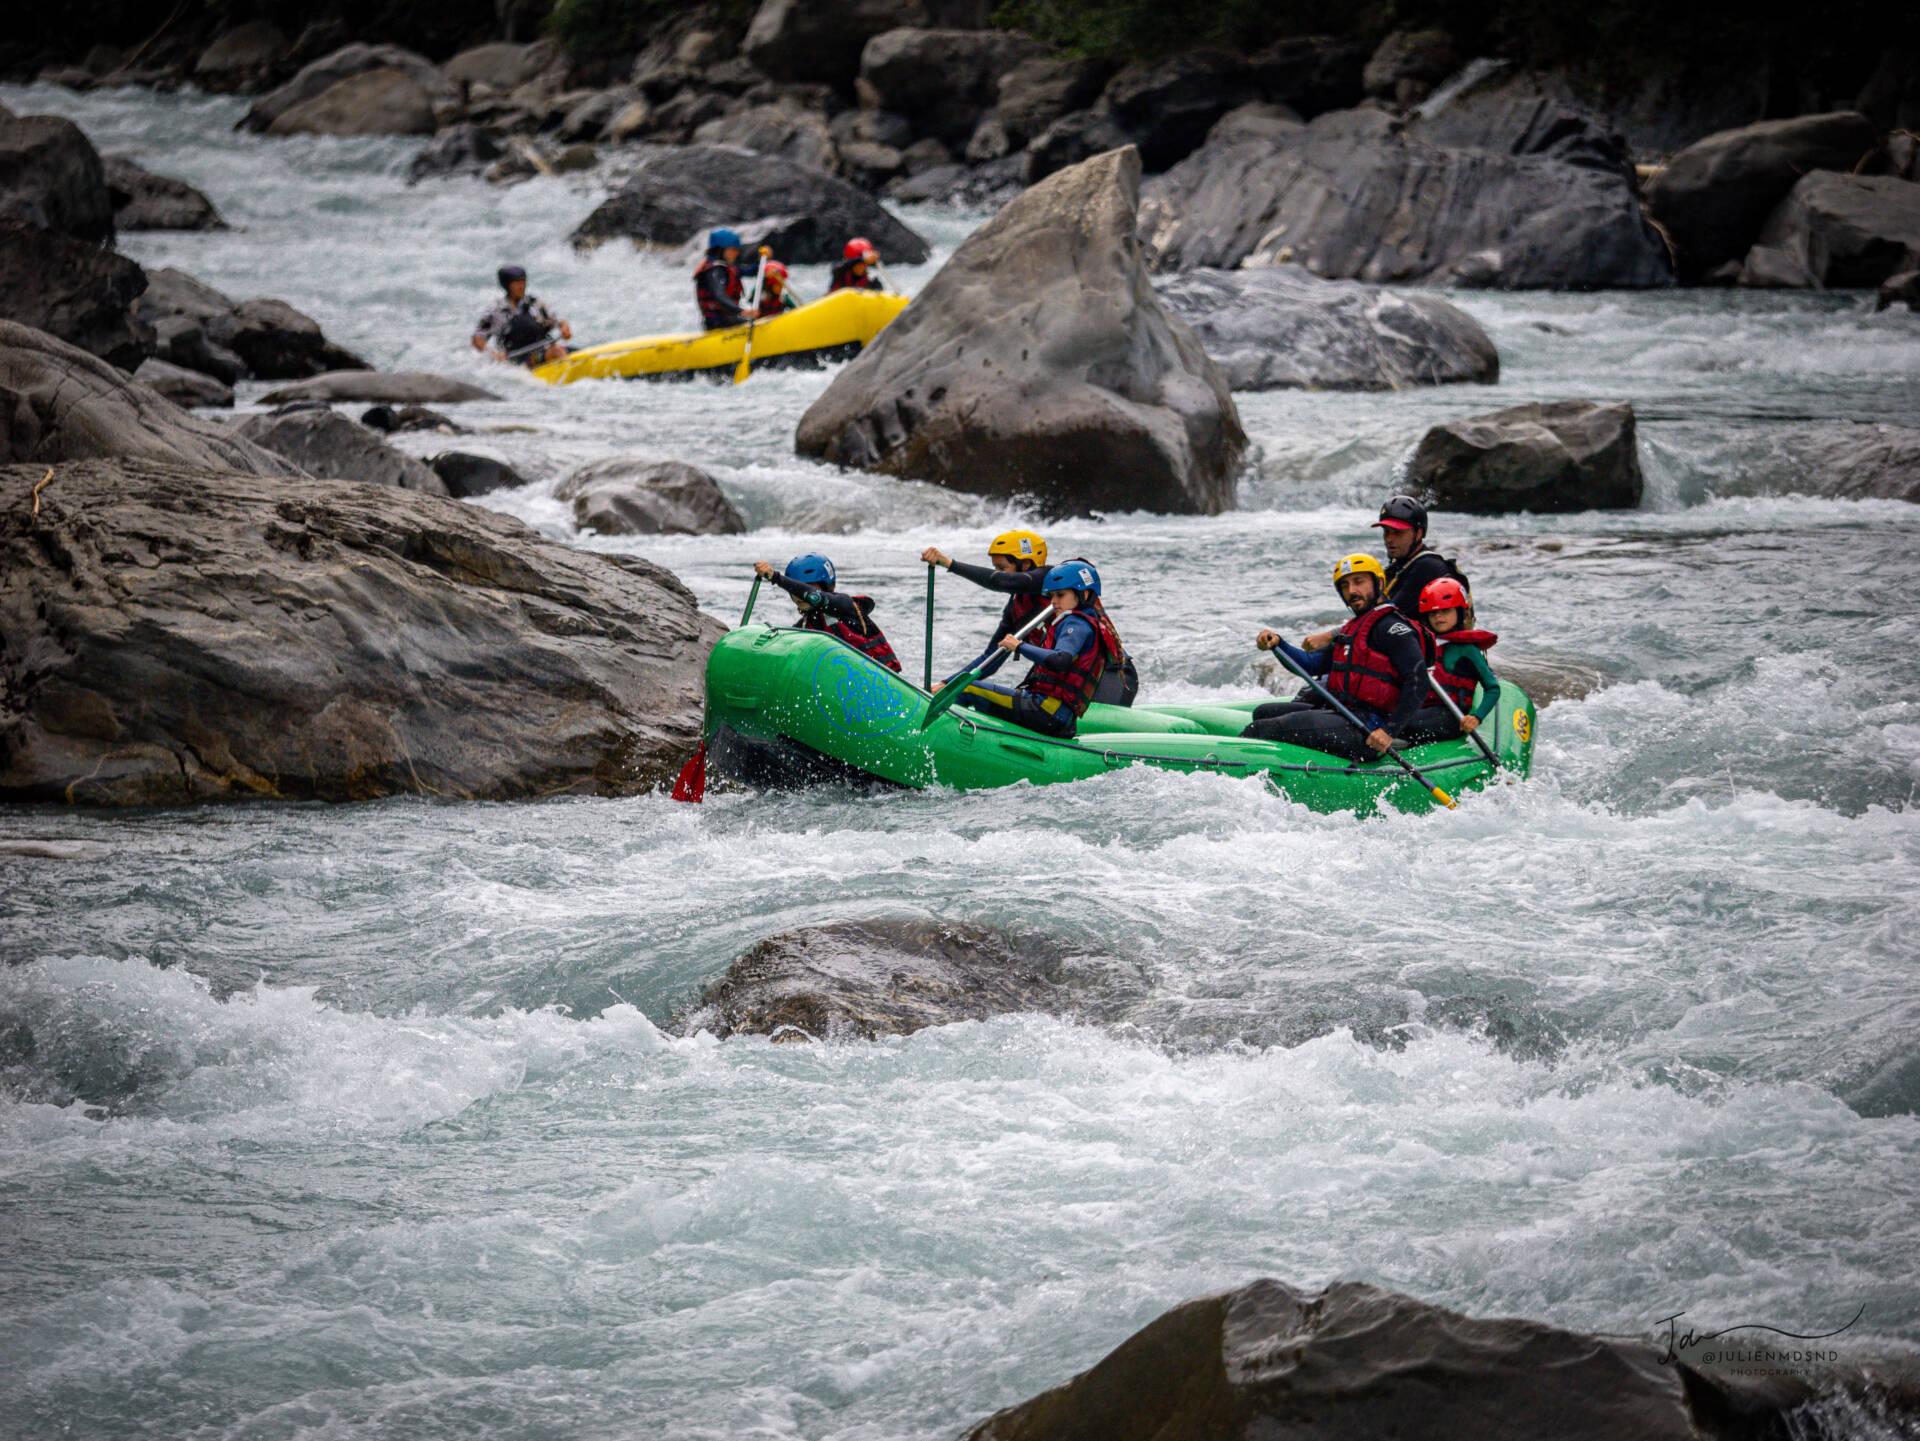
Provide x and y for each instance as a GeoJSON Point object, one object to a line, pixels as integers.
{"type": "Point", "coordinates": [716, 282]}
{"type": "Point", "coordinates": [1073, 653]}
{"type": "Point", "coordinates": [811, 581]}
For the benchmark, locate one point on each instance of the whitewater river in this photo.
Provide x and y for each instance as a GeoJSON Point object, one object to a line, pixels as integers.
{"type": "Point", "coordinates": [340, 1121]}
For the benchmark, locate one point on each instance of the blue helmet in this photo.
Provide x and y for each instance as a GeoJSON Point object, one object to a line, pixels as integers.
{"type": "Point", "coordinates": [811, 569]}
{"type": "Point", "coordinates": [720, 239]}
{"type": "Point", "coordinates": [1071, 575]}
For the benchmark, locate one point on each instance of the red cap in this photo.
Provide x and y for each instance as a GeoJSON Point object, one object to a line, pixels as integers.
{"type": "Point", "coordinates": [1393, 524]}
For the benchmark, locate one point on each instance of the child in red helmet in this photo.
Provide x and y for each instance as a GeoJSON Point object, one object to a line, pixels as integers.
{"type": "Point", "coordinates": [1447, 610]}
{"type": "Point", "coordinates": [774, 296]}
{"type": "Point", "coordinates": [858, 267]}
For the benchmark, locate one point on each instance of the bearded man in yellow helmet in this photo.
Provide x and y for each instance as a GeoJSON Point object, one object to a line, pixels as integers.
{"type": "Point", "coordinates": [1019, 559]}
{"type": "Point", "coordinates": [1376, 666]}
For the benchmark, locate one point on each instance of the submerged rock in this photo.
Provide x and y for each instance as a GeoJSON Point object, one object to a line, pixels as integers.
{"type": "Point", "coordinates": [466, 475]}
{"type": "Point", "coordinates": [631, 495]}
{"type": "Point", "coordinates": [864, 979]}
{"type": "Point", "coordinates": [1281, 328]}
{"type": "Point", "coordinates": [75, 290]}
{"type": "Point", "coordinates": [1558, 456]}
{"type": "Point", "coordinates": [328, 446]}
{"type": "Point", "coordinates": [172, 634]}
{"type": "Point", "coordinates": [409, 417]}
{"type": "Point", "coordinates": [145, 201]}
{"type": "Point", "coordinates": [387, 387]}
{"type": "Point", "coordinates": [1039, 363]}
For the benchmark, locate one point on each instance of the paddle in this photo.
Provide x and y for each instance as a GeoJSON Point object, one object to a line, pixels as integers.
{"type": "Point", "coordinates": [986, 664]}
{"type": "Point", "coordinates": [929, 684]}
{"type": "Point", "coordinates": [1361, 726]}
{"type": "Point", "coordinates": [741, 371]}
{"type": "Point", "coordinates": [540, 344]}
{"type": "Point", "coordinates": [752, 596]}
{"type": "Point", "coordinates": [1473, 735]}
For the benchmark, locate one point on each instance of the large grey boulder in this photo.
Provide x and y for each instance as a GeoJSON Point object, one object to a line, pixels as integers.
{"type": "Point", "coordinates": [382, 387]}
{"type": "Point", "coordinates": [245, 58]}
{"type": "Point", "coordinates": [941, 80]}
{"type": "Point", "coordinates": [820, 41]}
{"type": "Point", "coordinates": [1074, 137]}
{"type": "Point", "coordinates": [322, 75]}
{"type": "Point", "coordinates": [328, 446]}
{"type": "Point", "coordinates": [75, 290]}
{"type": "Point", "coordinates": [51, 177]}
{"type": "Point", "coordinates": [269, 338]}
{"type": "Point", "coordinates": [1039, 363]}
{"type": "Point", "coordinates": [1167, 106]}
{"type": "Point", "coordinates": [62, 404]}
{"type": "Point", "coordinates": [1282, 328]}
{"type": "Point", "coordinates": [1408, 64]}
{"type": "Point", "coordinates": [1714, 196]}
{"type": "Point", "coordinates": [680, 193]}
{"type": "Point", "coordinates": [1838, 232]}
{"type": "Point", "coordinates": [173, 634]}
{"type": "Point", "coordinates": [1350, 196]}
{"type": "Point", "coordinates": [782, 129]}
{"type": "Point", "coordinates": [1559, 456]}
{"type": "Point", "coordinates": [1037, 92]}
{"type": "Point", "coordinates": [632, 495]}
{"type": "Point", "coordinates": [182, 386]}
{"type": "Point", "coordinates": [145, 201]}
{"type": "Point", "coordinates": [1492, 107]}
{"type": "Point", "coordinates": [1269, 1362]}
{"type": "Point", "coordinates": [1854, 461]}
{"type": "Point", "coordinates": [499, 66]}
{"type": "Point", "coordinates": [387, 101]}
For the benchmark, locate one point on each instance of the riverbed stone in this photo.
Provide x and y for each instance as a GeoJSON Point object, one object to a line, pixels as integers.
{"type": "Point", "coordinates": [245, 58]}
{"type": "Point", "coordinates": [1039, 363]}
{"type": "Point", "coordinates": [384, 387]}
{"type": "Point", "coordinates": [328, 446]}
{"type": "Point", "coordinates": [1838, 232]}
{"type": "Point", "coordinates": [145, 201]}
{"type": "Point", "coordinates": [75, 290]}
{"type": "Point", "coordinates": [637, 495]}
{"type": "Point", "coordinates": [313, 80]}
{"type": "Point", "coordinates": [466, 475]}
{"type": "Point", "coordinates": [782, 129]}
{"type": "Point", "coordinates": [1561, 455]}
{"type": "Point", "coordinates": [271, 339]}
{"type": "Point", "coordinates": [182, 386]}
{"type": "Point", "coordinates": [1282, 328]}
{"type": "Point", "coordinates": [387, 101]}
{"type": "Point", "coordinates": [1039, 90]}
{"type": "Point", "coordinates": [173, 634]}
{"type": "Point", "coordinates": [52, 178]}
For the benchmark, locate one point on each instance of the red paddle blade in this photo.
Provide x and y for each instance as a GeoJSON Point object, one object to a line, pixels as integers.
{"type": "Point", "coordinates": [691, 785]}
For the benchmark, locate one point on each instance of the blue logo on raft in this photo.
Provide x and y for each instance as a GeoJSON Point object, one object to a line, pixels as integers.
{"type": "Point", "coordinates": [857, 696]}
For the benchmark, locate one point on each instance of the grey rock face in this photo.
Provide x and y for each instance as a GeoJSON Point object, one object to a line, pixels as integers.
{"type": "Point", "coordinates": [1559, 456]}
{"type": "Point", "coordinates": [1039, 363]}
{"type": "Point", "coordinates": [1167, 106]}
{"type": "Point", "coordinates": [1519, 114]}
{"type": "Point", "coordinates": [680, 193]}
{"type": "Point", "coordinates": [1838, 232]}
{"type": "Point", "coordinates": [500, 66]}
{"type": "Point", "coordinates": [1037, 92]}
{"type": "Point", "coordinates": [941, 80]}
{"type": "Point", "coordinates": [315, 79]}
{"type": "Point", "coordinates": [244, 58]}
{"type": "Point", "coordinates": [271, 339]}
{"type": "Point", "coordinates": [632, 495]}
{"type": "Point", "coordinates": [785, 131]}
{"type": "Point", "coordinates": [75, 290]}
{"type": "Point", "coordinates": [145, 201]}
{"type": "Point", "coordinates": [386, 387]}
{"type": "Point", "coordinates": [1714, 196]}
{"type": "Point", "coordinates": [328, 446]}
{"type": "Point", "coordinates": [1311, 74]}
{"type": "Point", "coordinates": [1284, 329]}
{"type": "Point", "coordinates": [1855, 461]}
{"type": "Point", "coordinates": [387, 101]}
{"type": "Point", "coordinates": [173, 634]}
{"type": "Point", "coordinates": [1408, 64]}
{"type": "Point", "coordinates": [821, 40]}
{"type": "Point", "coordinates": [1072, 138]}
{"type": "Point", "coordinates": [51, 178]}
{"type": "Point", "coordinates": [1350, 197]}
{"type": "Point", "coordinates": [182, 386]}
{"type": "Point", "coordinates": [62, 404]}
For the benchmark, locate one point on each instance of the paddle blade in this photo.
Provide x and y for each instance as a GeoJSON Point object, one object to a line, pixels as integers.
{"type": "Point", "coordinates": [691, 784]}
{"type": "Point", "coordinates": [742, 370]}
{"type": "Point", "coordinates": [944, 698]}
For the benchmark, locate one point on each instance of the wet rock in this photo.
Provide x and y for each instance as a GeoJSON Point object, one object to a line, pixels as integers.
{"type": "Point", "coordinates": [75, 290]}
{"type": "Point", "coordinates": [822, 40]}
{"type": "Point", "coordinates": [632, 495]}
{"type": "Point", "coordinates": [182, 386]}
{"type": "Point", "coordinates": [1311, 74]}
{"type": "Point", "coordinates": [676, 119]}
{"type": "Point", "coordinates": [245, 58]}
{"type": "Point", "coordinates": [588, 119]}
{"type": "Point", "coordinates": [312, 81]}
{"type": "Point", "coordinates": [874, 127]}
{"type": "Point", "coordinates": [1518, 114]}
{"type": "Point", "coordinates": [173, 634]}
{"type": "Point", "coordinates": [328, 446]}
{"type": "Point", "coordinates": [1070, 140]}
{"type": "Point", "coordinates": [1408, 64]}
{"type": "Point", "coordinates": [63, 404]}
{"type": "Point", "coordinates": [1853, 461]}
{"type": "Point", "coordinates": [782, 130]}
{"type": "Point", "coordinates": [941, 80]}
{"type": "Point", "coordinates": [681, 193]}
{"type": "Point", "coordinates": [466, 475]}
{"type": "Point", "coordinates": [145, 201]}
{"type": "Point", "coordinates": [379, 102]}
{"type": "Point", "coordinates": [1038, 363]}
{"type": "Point", "coordinates": [1038, 91]}
{"type": "Point", "coordinates": [182, 341]}
{"type": "Point", "coordinates": [1352, 1360]}
{"type": "Point", "coordinates": [459, 149]}
{"type": "Point", "coordinates": [271, 339]}
{"type": "Point", "coordinates": [860, 980]}
{"type": "Point", "coordinates": [973, 187]}
{"type": "Point", "coordinates": [387, 387]}
{"type": "Point", "coordinates": [500, 67]}
{"type": "Point", "coordinates": [1558, 456]}
{"type": "Point", "coordinates": [409, 417]}
{"type": "Point", "coordinates": [575, 158]}
{"type": "Point", "coordinates": [1838, 232]}
{"type": "Point", "coordinates": [1350, 197]}
{"type": "Point", "coordinates": [1167, 106]}
{"type": "Point", "coordinates": [52, 178]}
{"type": "Point", "coordinates": [868, 165]}
{"type": "Point", "coordinates": [1282, 328]}
{"type": "Point", "coordinates": [633, 121]}
{"type": "Point", "coordinates": [1904, 286]}
{"type": "Point", "coordinates": [1715, 195]}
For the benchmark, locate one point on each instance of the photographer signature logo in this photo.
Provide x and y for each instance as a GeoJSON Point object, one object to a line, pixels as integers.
{"type": "Point", "coordinates": [1749, 1352]}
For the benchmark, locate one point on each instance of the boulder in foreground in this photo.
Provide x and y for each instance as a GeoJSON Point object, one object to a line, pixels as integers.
{"type": "Point", "coordinates": [1558, 456]}
{"type": "Point", "coordinates": [1039, 363]}
{"type": "Point", "coordinates": [383, 387]}
{"type": "Point", "coordinates": [1267, 1362]}
{"type": "Point", "coordinates": [1281, 328]}
{"type": "Point", "coordinates": [631, 495]}
{"type": "Point", "coordinates": [175, 634]}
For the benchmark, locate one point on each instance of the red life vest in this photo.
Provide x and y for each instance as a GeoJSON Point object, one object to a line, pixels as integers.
{"type": "Point", "coordinates": [1363, 674]}
{"type": "Point", "coordinates": [870, 643]}
{"type": "Point", "coordinates": [1021, 609]}
{"type": "Point", "coordinates": [1460, 688]}
{"type": "Point", "coordinates": [1075, 685]}
{"type": "Point", "coordinates": [711, 312]}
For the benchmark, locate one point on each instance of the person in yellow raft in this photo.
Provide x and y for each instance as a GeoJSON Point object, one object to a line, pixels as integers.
{"type": "Point", "coordinates": [1018, 561]}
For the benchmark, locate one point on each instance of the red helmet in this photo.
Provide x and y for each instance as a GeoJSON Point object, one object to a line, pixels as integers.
{"type": "Point", "coordinates": [776, 271]}
{"type": "Point", "coordinates": [1445, 593]}
{"type": "Point", "coordinates": [858, 248]}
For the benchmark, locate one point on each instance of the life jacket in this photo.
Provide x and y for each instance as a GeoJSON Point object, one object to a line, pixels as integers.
{"type": "Point", "coordinates": [845, 279]}
{"type": "Point", "coordinates": [870, 643]}
{"type": "Point", "coordinates": [1363, 674]}
{"type": "Point", "coordinates": [523, 330]}
{"type": "Point", "coordinates": [772, 305]}
{"type": "Point", "coordinates": [1459, 689]}
{"type": "Point", "coordinates": [1075, 685]}
{"type": "Point", "coordinates": [712, 313]}
{"type": "Point", "coordinates": [1020, 609]}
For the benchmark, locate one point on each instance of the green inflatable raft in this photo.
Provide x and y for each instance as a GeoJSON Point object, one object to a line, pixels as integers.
{"type": "Point", "coordinates": [792, 707]}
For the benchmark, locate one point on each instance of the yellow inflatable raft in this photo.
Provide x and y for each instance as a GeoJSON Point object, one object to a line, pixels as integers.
{"type": "Point", "coordinates": [834, 327]}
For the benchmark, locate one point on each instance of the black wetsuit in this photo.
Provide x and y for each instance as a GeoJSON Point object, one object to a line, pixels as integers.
{"type": "Point", "coordinates": [1407, 578]}
{"type": "Point", "coordinates": [1310, 722]}
{"type": "Point", "coordinates": [1119, 684]}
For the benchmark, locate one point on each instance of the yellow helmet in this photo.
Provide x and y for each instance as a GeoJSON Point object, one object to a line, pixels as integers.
{"type": "Point", "coordinates": [1355, 564]}
{"type": "Point", "coordinates": [1019, 545]}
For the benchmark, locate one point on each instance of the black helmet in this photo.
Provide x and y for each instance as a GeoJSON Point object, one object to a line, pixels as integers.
{"type": "Point", "coordinates": [509, 274]}
{"type": "Point", "coordinates": [1402, 512]}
